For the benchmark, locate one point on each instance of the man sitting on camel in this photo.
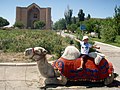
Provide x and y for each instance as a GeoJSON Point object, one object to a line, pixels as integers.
{"type": "Point", "coordinates": [85, 47]}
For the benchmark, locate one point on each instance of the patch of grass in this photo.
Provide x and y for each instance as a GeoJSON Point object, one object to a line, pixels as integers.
{"type": "Point", "coordinates": [111, 43]}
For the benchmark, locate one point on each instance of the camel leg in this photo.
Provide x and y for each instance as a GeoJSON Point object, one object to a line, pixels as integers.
{"type": "Point", "coordinates": [57, 72]}
{"type": "Point", "coordinates": [63, 80]}
{"type": "Point", "coordinates": [56, 81]}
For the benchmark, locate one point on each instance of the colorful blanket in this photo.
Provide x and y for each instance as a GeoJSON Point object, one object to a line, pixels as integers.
{"type": "Point", "coordinates": [90, 71]}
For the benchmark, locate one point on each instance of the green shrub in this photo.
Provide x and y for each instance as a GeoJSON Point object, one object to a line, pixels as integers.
{"type": "Point", "coordinates": [39, 24]}
{"type": "Point", "coordinates": [108, 31]}
{"type": "Point", "coordinates": [19, 25]}
{"type": "Point", "coordinates": [117, 40]}
{"type": "Point", "coordinates": [109, 34]}
{"type": "Point", "coordinates": [19, 40]}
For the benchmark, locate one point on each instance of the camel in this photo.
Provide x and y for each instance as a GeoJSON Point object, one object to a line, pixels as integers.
{"type": "Point", "coordinates": [50, 73]}
{"type": "Point", "coordinates": [45, 68]}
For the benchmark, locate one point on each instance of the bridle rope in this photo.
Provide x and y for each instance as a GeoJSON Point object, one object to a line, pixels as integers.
{"type": "Point", "coordinates": [34, 53]}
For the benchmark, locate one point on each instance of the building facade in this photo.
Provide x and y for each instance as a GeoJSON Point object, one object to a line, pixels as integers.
{"type": "Point", "coordinates": [28, 15]}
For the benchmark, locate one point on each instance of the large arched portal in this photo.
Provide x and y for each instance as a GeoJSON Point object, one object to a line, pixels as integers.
{"type": "Point", "coordinates": [33, 15]}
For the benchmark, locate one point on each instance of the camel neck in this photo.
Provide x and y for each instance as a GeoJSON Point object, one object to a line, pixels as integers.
{"type": "Point", "coordinates": [42, 62]}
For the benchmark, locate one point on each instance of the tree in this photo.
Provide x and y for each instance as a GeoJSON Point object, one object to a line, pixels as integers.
{"type": "Point", "coordinates": [73, 28]}
{"type": "Point", "coordinates": [93, 25]}
{"type": "Point", "coordinates": [108, 31]}
{"type": "Point", "coordinates": [117, 19]}
{"type": "Point", "coordinates": [39, 24]}
{"type": "Point", "coordinates": [89, 25]}
{"type": "Point", "coordinates": [68, 27]}
{"type": "Point", "coordinates": [3, 22]}
{"type": "Point", "coordinates": [88, 17]}
{"type": "Point", "coordinates": [81, 15]}
{"type": "Point", "coordinates": [62, 24]}
{"type": "Point", "coordinates": [56, 25]}
{"type": "Point", "coordinates": [19, 25]}
{"type": "Point", "coordinates": [97, 28]}
{"type": "Point", "coordinates": [68, 15]}
{"type": "Point", "coordinates": [74, 20]}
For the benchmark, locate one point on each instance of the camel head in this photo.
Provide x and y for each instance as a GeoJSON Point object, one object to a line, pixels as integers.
{"type": "Point", "coordinates": [35, 53]}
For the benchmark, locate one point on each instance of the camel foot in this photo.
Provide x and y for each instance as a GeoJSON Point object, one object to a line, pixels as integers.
{"type": "Point", "coordinates": [50, 81]}
{"type": "Point", "coordinates": [55, 81]}
{"type": "Point", "coordinates": [109, 80]}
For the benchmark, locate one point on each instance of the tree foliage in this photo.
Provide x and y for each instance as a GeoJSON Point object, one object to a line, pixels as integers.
{"type": "Point", "coordinates": [74, 20]}
{"type": "Point", "coordinates": [117, 19]}
{"type": "Point", "coordinates": [3, 22]}
{"type": "Point", "coordinates": [108, 31]}
{"type": "Point", "coordinates": [89, 25]}
{"type": "Point", "coordinates": [68, 16]}
{"type": "Point", "coordinates": [68, 27]}
{"type": "Point", "coordinates": [106, 28]}
{"type": "Point", "coordinates": [56, 25]}
{"type": "Point", "coordinates": [39, 24]}
{"type": "Point", "coordinates": [19, 25]}
{"type": "Point", "coordinates": [81, 15]}
{"type": "Point", "coordinates": [73, 27]}
{"type": "Point", "coordinates": [88, 17]}
{"type": "Point", "coordinates": [60, 24]}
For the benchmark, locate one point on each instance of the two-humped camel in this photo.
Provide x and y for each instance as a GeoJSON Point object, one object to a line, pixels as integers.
{"type": "Point", "coordinates": [48, 71]}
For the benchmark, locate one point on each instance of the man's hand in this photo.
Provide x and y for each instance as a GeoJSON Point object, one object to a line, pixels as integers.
{"type": "Point", "coordinates": [97, 47]}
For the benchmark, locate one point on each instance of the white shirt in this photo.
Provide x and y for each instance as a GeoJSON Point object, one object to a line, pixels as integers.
{"type": "Point", "coordinates": [85, 47]}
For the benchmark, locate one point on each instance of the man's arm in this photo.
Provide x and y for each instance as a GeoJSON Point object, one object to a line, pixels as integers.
{"type": "Point", "coordinates": [77, 40]}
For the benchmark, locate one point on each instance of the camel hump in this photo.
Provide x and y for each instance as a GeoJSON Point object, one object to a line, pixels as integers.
{"type": "Point", "coordinates": [71, 53]}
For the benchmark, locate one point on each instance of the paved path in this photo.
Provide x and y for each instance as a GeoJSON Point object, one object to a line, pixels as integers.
{"type": "Point", "coordinates": [65, 34]}
{"type": "Point", "coordinates": [20, 78]}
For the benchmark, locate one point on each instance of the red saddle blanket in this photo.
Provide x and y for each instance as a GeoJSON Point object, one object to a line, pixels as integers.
{"type": "Point", "coordinates": [90, 71]}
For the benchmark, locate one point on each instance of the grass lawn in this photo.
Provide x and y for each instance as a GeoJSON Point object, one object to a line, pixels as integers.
{"type": "Point", "coordinates": [100, 40]}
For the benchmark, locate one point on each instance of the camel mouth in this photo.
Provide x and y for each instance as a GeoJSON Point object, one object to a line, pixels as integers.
{"type": "Point", "coordinates": [38, 56]}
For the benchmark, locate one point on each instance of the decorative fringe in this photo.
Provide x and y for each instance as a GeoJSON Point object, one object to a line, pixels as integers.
{"type": "Point", "coordinates": [86, 80]}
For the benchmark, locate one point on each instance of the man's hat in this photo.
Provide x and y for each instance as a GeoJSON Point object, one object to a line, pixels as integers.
{"type": "Point", "coordinates": [85, 37]}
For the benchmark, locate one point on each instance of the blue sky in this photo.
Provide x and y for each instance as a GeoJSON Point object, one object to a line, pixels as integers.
{"type": "Point", "coordinates": [96, 8]}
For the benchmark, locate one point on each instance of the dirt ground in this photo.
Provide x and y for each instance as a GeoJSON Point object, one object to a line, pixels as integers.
{"type": "Point", "coordinates": [17, 57]}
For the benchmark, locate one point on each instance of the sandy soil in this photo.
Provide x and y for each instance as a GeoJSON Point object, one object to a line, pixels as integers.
{"type": "Point", "coordinates": [17, 57]}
